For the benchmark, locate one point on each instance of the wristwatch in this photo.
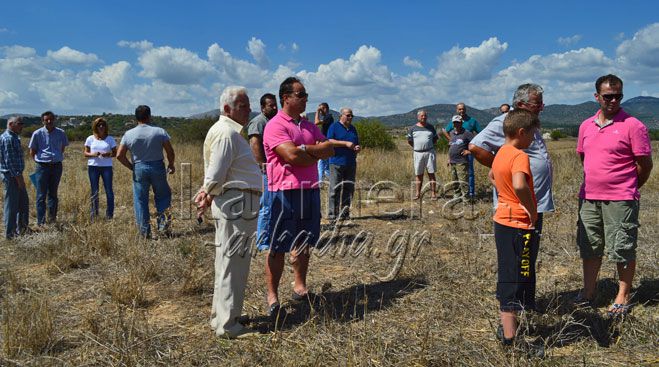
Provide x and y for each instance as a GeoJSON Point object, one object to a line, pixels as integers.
{"type": "Point", "coordinates": [303, 147]}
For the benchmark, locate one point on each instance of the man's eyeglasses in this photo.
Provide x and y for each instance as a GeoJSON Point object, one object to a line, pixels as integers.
{"type": "Point", "coordinates": [348, 114]}
{"type": "Point", "coordinates": [611, 97]}
{"type": "Point", "coordinates": [534, 104]}
{"type": "Point", "coordinates": [301, 94]}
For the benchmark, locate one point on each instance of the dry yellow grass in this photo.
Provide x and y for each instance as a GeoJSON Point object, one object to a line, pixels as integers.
{"type": "Point", "coordinates": [403, 284]}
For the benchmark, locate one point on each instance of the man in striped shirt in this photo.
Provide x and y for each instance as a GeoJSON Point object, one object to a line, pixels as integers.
{"type": "Point", "coordinates": [16, 210]}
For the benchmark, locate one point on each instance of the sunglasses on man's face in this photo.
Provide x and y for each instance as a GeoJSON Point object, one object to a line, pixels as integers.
{"type": "Point", "coordinates": [611, 97]}
{"type": "Point", "coordinates": [301, 94]}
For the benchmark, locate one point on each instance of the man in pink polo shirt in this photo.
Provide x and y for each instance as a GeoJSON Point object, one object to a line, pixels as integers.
{"type": "Point", "coordinates": [617, 159]}
{"type": "Point", "coordinates": [292, 146]}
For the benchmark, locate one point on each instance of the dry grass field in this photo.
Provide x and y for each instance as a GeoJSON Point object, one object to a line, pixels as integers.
{"type": "Point", "coordinates": [402, 283]}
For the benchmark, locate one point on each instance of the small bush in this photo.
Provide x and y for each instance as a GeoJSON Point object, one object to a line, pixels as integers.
{"type": "Point", "coordinates": [373, 134]}
{"type": "Point", "coordinates": [557, 135]}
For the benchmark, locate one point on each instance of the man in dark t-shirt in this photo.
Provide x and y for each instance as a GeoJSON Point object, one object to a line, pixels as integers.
{"type": "Point", "coordinates": [323, 120]}
{"type": "Point", "coordinates": [458, 155]}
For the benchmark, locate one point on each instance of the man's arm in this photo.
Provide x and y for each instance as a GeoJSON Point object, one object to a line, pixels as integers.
{"type": "Point", "coordinates": [446, 135]}
{"type": "Point", "coordinates": [483, 156]}
{"type": "Point", "coordinates": [121, 157]}
{"type": "Point", "coordinates": [33, 153]}
{"type": "Point", "coordinates": [294, 155]}
{"type": "Point", "coordinates": [342, 144]}
{"type": "Point", "coordinates": [256, 145]}
{"type": "Point", "coordinates": [169, 151]}
{"type": "Point", "coordinates": [643, 169]}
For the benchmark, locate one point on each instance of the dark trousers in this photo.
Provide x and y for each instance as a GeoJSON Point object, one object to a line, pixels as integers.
{"type": "Point", "coordinates": [341, 189]}
{"type": "Point", "coordinates": [47, 177]}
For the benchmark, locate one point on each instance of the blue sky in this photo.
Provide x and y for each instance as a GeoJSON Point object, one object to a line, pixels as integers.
{"type": "Point", "coordinates": [376, 57]}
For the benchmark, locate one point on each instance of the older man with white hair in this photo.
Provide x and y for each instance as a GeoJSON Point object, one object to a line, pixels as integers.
{"type": "Point", "coordinates": [422, 138]}
{"type": "Point", "coordinates": [232, 188]}
{"type": "Point", "coordinates": [12, 164]}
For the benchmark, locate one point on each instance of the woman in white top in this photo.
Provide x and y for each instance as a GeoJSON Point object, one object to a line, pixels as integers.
{"type": "Point", "coordinates": [100, 148]}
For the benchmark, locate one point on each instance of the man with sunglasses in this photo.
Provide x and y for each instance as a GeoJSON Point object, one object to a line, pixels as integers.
{"type": "Point", "coordinates": [616, 154]}
{"type": "Point", "coordinates": [293, 146]}
{"type": "Point", "coordinates": [12, 164]}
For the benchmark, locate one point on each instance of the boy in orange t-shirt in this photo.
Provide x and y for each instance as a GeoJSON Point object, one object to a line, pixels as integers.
{"type": "Point", "coordinates": [514, 220]}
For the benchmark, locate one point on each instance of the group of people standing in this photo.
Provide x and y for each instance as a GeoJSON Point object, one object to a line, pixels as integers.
{"type": "Point", "coordinates": [266, 189]}
{"type": "Point", "coordinates": [46, 147]}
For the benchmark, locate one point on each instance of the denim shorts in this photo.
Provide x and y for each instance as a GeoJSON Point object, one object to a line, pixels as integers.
{"type": "Point", "coordinates": [294, 219]}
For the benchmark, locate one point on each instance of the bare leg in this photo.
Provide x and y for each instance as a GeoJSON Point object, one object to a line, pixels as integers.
{"type": "Point", "coordinates": [417, 185]}
{"type": "Point", "coordinates": [626, 276]}
{"type": "Point", "coordinates": [509, 323]}
{"type": "Point", "coordinates": [433, 185]}
{"type": "Point", "coordinates": [591, 268]}
{"type": "Point", "coordinates": [300, 264]}
{"type": "Point", "coordinates": [274, 267]}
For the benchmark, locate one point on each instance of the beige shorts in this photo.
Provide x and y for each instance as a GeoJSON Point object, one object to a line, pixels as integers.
{"type": "Point", "coordinates": [424, 161]}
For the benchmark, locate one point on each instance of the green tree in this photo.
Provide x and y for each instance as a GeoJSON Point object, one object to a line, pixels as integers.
{"type": "Point", "coordinates": [373, 134]}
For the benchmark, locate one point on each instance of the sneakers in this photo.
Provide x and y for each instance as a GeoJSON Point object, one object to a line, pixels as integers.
{"type": "Point", "coordinates": [242, 333]}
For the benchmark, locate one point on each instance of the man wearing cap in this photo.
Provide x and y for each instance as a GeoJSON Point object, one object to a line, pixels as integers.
{"type": "Point", "coordinates": [470, 124]}
{"type": "Point", "coordinates": [458, 155]}
{"type": "Point", "coordinates": [16, 213]}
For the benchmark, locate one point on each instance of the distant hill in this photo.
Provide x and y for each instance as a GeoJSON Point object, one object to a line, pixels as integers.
{"type": "Point", "coordinates": [310, 115]}
{"type": "Point", "coordinates": [437, 114]}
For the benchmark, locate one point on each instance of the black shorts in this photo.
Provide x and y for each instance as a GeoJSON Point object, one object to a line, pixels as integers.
{"type": "Point", "coordinates": [517, 251]}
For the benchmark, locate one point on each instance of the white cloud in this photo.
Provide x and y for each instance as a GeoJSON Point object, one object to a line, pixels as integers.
{"type": "Point", "coordinates": [569, 41]}
{"type": "Point", "coordinates": [17, 51]}
{"type": "Point", "coordinates": [113, 76]}
{"type": "Point", "coordinates": [174, 66]}
{"type": "Point", "coordinates": [235, 71]}
{"type": "Point", "coordinates": [639, 56]}
{"type": "Point", "coordinates": [256, 48]}
{"type": "Point", "coordinates": [138, 45]}
{"type": "Point", "coordinates": [67, 55]}
{"type": "Point", "coordinates": [412, 62]}
{"type": "Point", "coordinates": [4, 30]}
{"type": "Point", "coordinates": [470, 63]}
{"type": "Point", "coordinates": [295, 48]}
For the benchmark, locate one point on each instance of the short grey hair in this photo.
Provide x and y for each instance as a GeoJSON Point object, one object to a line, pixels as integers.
{"type": "Point", "coordinates": [229, 96]}
{"type": "Point", "coordinates": [14, 120]}
{"type": "Point", "coordinates": [524, 91]}
{"type": "Point", "coordinates": [419, 112]}
{"type": "Point", "coordinates": [345, 109]}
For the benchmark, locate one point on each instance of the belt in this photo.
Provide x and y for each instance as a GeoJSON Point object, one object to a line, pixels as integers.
{"type": "Point", "coordinates": [425, 151]}
{"type": "Point", "coordinates": [49, 163]}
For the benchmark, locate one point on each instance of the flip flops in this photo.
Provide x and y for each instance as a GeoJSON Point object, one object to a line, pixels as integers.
{"type": "Point", "coordinates": [302, 297]}
{"type": "Point", "coordinates": [619, 309]}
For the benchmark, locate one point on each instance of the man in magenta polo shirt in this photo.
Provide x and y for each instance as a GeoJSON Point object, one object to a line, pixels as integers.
{"type": "Point", "coordinates": [292, 146]}
{"type": "Point", "coordinates": [617, 159]}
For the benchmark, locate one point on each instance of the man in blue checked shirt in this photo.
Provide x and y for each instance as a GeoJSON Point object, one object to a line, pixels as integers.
{"type": "Point", "coordinates": [16, 211]}
{"type": "Point", "coordinates": [47, 149]}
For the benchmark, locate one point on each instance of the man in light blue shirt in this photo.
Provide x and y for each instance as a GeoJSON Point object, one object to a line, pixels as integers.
{"type": "Point", "coordinates": [146, 144]}
{"type": "Point", "coordinates": [47, 149]}
{"type": "Point", "coordinates": [485, 145]}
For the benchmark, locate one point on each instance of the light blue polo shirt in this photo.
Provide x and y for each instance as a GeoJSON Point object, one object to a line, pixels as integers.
{"type": "Point", "coordinates": [49, 146]}
{"type": "Point", "coordinates": [492, 138]}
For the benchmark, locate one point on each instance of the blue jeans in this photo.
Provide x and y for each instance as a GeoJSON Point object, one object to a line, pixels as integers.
{"type": "Point", "coordinates": [47, 177]}
{"type": "Point", "coordinates": [17, 209]}
{"type": "Point", "coordinates": [323, 169]}
{"type": "Point", "coordinates": [472, 178]}
{"type": "Point", "coordinates": [95, 173]}
{"type": "Point", "coordinates": [145, 176]}
{"type": "Point", "coordinates": [262, 230]}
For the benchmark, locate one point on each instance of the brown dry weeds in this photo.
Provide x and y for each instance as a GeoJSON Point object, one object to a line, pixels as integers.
{"type": "Point", "coordinates": [401, 284]}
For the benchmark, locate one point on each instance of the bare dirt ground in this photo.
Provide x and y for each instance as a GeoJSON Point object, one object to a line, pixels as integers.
{"type": "Point", "coordinates": [401, 283]}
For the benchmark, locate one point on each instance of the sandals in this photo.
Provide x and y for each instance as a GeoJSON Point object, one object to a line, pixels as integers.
{"type": "Point", "coordinates": [619, 309]}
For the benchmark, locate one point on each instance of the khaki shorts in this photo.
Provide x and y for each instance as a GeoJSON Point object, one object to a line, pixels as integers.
{"type": "Point", "coordinates": [609, 227]}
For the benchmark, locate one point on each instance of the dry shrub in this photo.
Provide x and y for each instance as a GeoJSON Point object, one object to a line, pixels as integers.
{"type": "Point", "coordinates": [127, 289]}
{"type": "Point", "coordinates": [124, 334]}
{"type": "Point", "coordinates": [27, 324]}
